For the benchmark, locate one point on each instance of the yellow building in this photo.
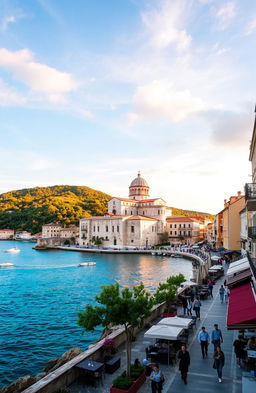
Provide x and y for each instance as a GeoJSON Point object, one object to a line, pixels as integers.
{"type": "Point", "coordinates": [231, 221]}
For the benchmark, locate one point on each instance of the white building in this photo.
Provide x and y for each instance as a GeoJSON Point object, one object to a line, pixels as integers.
{"type": "Point", "coordinates": [23, 235]}
{"type": "Point", "coordinates": [135, 221]}
{"type": "Point", "coordinates": [6, 234]}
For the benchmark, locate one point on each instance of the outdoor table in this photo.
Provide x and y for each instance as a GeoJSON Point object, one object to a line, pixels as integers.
{"type": "Point", "coordinates": [88, 367]}
{"type": "Point", "coordinates": [112, 365]}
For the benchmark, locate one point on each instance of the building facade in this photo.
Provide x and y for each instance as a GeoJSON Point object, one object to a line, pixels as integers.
{"type": "Point", "coordinates": [185, 230]}
{"type": "Point", "coordinates": [6, 234]}
{"type": "Point", "coordinates": [137, 221]}
{"type": "Point", "coordinates": [51, 230]}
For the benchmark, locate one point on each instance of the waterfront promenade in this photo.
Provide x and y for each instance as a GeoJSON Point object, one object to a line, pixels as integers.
{"type": "Point", "coordinates": [202, 378]}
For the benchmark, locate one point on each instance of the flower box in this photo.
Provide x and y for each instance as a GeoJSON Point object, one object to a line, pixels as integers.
{"type": "Point", "coordinates": [133, 388]}
{"type": "Point", "coordinates": [169, 314]}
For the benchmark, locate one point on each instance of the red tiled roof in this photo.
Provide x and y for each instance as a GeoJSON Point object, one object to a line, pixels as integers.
{"type": "Point", "coordinates": [142, 218]}
{"type": "Point", "coordinates": [180, 219]}
{"type": "Point", "coordinates": [6, 230]}
{"type": "Point", "coordinates": [136, 200]}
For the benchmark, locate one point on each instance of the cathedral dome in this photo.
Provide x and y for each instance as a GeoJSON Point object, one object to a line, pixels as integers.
{"type": "Point", "coordinates": [139, 181]}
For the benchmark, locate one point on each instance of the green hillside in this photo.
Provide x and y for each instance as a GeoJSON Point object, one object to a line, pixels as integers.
{"type": "Point", "coordinates": [30, 208]}
{"type": "Point", "coordinates": [186, 213]}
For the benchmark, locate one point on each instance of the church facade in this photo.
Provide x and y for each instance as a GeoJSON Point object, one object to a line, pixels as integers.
{"type": "Point", "coordinates": [137, 221]}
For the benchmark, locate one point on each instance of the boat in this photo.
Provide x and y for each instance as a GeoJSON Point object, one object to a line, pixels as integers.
{"type": "Point", "coordinates": [176, 256]}
{"type": "Point", "coordinates": [6, 264]}
{"type": "Point", "coordinates": [87, 264]}
{"type": "Point", "coordinates": [13, 250]}
{"type": "Point", "coordinates": [153, 253]}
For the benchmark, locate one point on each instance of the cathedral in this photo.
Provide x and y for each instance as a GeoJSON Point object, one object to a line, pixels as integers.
{"type": "Point", "coordinates": [137, 221]}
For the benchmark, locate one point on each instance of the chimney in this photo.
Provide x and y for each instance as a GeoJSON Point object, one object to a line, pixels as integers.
{"type": "Point", "coordinates": [239, 193]}
{"type": "Point", "coordinates": [225, 202]}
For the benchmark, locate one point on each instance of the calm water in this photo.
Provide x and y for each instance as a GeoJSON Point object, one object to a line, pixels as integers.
{"type": "Point", "coordinates": [42, 294]}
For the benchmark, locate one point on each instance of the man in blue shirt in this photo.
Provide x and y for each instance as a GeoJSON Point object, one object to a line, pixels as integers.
{"type": "Point", "coordinates": [203, 339]}
{"type": "Point", "coordinates": [216, 337]}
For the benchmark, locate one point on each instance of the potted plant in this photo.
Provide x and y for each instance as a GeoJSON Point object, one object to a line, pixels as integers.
{"type": "Point", "coordinates": [124, 384]}
{"type": "Point", "coordinates": [167, 292]}
{"type": "Point", "coordinates": [109, 348]}
{"type": "Point", "coordinates": [127, 307]}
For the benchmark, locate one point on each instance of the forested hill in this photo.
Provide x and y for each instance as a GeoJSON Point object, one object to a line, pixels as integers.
{"type": "Point", "coordinates": [193, 213]}
{"type": "Point", "coordinates": [30, 208]}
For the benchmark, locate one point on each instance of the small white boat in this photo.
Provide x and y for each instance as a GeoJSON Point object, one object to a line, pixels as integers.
{"type": "Point", "coordinates": [153, 253]}
{"type": "Point", "coordinates": [13, 250]}
{"type": "Point", "coordinates": [87, 264]}
{"type": "Point", "coordinates": [6, 264]}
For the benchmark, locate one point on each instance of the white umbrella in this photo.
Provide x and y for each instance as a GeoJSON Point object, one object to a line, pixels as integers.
{"type": "Point", "coordinates": [188, 283]}
{"type": "Point", "coordinates": [164, 332]}
{"type": "Point", "coordinates": [215, 258]}
{"type": "Point", "coordinates": [176, 321]}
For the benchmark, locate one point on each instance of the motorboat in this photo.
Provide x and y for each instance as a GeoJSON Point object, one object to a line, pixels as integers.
{"type": "Point", "coordinates": [13, 250]}
{"type": "Point", "coordinates": [6, 264]}
{"type": "Point", "coordinates": [153, 253]}
{"type": "Point", "coordinates": [87, 264]}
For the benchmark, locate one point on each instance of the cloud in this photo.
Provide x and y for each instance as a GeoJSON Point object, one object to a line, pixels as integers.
{"type": "Point", "coordinates": [230, 128]}
{"type": "Point", "coordinates": [251, 27]}
{"type": "Point", "coordinates": [39, 77]}
{"type": "Point", "coordinates": [9, 96]}
{"type": "Point", "coordinates": [225, 15]}
{"type": "Point", "coordinates": [10, 19]}
{"type": "Point", "coordinates": [160, 99]}
{"type": "Point", "coordinates": [165, 25]}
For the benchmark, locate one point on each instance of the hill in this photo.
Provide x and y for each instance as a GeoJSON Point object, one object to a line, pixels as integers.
{"type": "Point", "coordinates": [30, 208]}
{"type": "Point", "coordinates": [186, 213]}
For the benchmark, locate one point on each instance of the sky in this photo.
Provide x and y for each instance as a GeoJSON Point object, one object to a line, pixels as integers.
{"type": "Point", "coordinates": [93, 91]}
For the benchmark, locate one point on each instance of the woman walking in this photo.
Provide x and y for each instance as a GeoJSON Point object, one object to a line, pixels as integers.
{"type": "Point", "coordinates": [219, 361]}
{"type": "Point", "coordinates": [196, 307]}
{"type": "Point", "coordinates": [156, 379]}
{"type": "Point", "coordinates": [189, 307]}
{"type": "Point", "coordinates": [184, 357]}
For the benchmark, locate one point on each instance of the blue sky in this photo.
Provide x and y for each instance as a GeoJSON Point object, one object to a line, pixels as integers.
{"type": "Point", "coordinates": [93, 91]}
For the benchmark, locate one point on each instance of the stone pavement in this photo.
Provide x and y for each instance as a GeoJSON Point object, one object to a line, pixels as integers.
{"type": "Point", "coordinates": [202, 377]}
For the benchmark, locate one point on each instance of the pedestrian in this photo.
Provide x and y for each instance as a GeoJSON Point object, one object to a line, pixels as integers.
{"type": "Point", "coordinates": [226, 294]}
{"type": "Point", "coordinates": [184, 357]}
{"type": "Point", "coordinates": [189, 307]}
{"type": "Point", "coordinates": [216, 336]}
{"type": "Point", "coordinates": [210, 288]}
{"type": "Point", "coordinates": [221, 292]}
{"type": "Point", "coordinates": [219, 361]}
{"type": "Point", "coordinates": [239, 346]}
{"type": "Point", "coordinates": [203, 339]}
{"type": "Point", "coordinates": [196, 307]}
{"type": "Point", "coordinates": [184, 304]}
{"type": "Point", "coordinates": [157, 379]}
{"type": "Point", "coordinates": [193, 293]}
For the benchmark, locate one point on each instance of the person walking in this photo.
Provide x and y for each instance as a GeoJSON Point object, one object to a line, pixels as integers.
{"type": "Point", "coordinates": [156, 379]}
{"type": "Point", "coordinates": [210, 288]}
{"type": "Point", "coordinates": [216, 336]}
{"type": "Point", "coordinates": [219, 361]}
{"type": "Point", "coordinates": [239, 346]}
{"type": "Point", "coordinates": [226, 294]}
{"type": "Point", "coordinates": [184, 305]}
{"type": "Point", "coordinates": [196, 307]}
{"type": "Point", "coordinates": [189, 307]}
{"type": "Point", "coordinates": [203, 339]}
{"type": "Point", "coordinates": [221, 292]}
{"type": "Point", "coordinates": [184, 357]}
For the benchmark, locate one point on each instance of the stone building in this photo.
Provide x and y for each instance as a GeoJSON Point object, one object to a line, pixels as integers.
{"type": "Point", "coordinates": [184, 229]}
{"type": "Point", "coordinates": [6, 234]}
{"type": "Point", "coordinates": [51, 230]}
{"type": "Point", "coordinates": [136, 221]}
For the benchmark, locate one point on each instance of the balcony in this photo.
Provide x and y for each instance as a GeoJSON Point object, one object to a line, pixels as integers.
{"type": "Point", "coordinates": [250, 191]}
{"type": "Point", "coordinates": [252, 232]}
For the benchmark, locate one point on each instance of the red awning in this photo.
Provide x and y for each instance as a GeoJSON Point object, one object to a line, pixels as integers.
{"type": "Point", "coordinates": [242, 307]}
{"type": "Point", "coordinates": [239, 278]}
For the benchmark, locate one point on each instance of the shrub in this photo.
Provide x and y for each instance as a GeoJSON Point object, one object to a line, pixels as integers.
{"type": "Point", "coordinates": [136, 371]}
{"type": "Point", "coordinates": [122, 382]}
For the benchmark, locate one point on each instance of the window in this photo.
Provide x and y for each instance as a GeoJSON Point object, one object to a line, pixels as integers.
{"type": "Point", "coordinates": [184, 225]}
{"type": "Point", "coordinates": [98, 228]}
{"type": "Point", "coordinates": [106, 228]}
{"type": "Point", "coordinates": [137, 212]}
{"type": "Point", "coordinates": [175, 225]}
{"type": "Point", "coordinates": [158, 212]}
{"type": "Point", "coordinates": [131, 241]}
{"type": "Point", "coordinates": [94, 228]}
{"type": "Point", "coordinates": [175, 233]}
{"type": "Point", "coordinates": [171, 233]}
{"type": "Point", "coordinates": [113, 228]}
{"type": "Point", "coordinates": [132, 228]}
{"type": "Point", "coordinates": [180, 233]}
{"type": "Point", "coordinates": [189, 225]}
{"type": "Point", "coordinates": [184, 233]}
{"type": "Point", "coordinates": [131, 213]}
{"type": "Point", "coordinates": [170, 225]}
{"type": "Point", "coordinates": [125, 212]}
{"type": "Point", "coordinates": [117, 228]}
{"type": "Point", "coordinates": [152, 229]}
{"type": "Point", "coordinates": [179, 225]}
{"type": "Point", "coordinates": [143, 213]}
{"type": "Point", "coordinates": [189, 233]}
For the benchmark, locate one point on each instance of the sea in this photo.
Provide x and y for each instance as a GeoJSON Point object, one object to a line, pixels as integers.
{"type": "Point", "coordinates": [41, 295]}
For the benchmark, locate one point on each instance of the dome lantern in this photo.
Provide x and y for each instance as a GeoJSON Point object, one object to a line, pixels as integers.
{"type": "Point", "coordinates": [139, 188]}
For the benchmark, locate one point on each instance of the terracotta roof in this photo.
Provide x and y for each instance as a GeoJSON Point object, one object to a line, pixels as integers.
{"type": "Point", "coordinates": [180, 219]}
{"type": "Point", "coordinates": [6, 230]}
{"type": "Point", "coordinates": [104, 217]}
{"type": "Point", "coordinates": [125, 199]}
{"type": "Point", "coordinates": [136, 200]}
{"type": "Point", "coordinates": [52, 224]}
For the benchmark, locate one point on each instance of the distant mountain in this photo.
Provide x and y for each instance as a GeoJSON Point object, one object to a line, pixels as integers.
{"type": "Point", "coordinates": [193, 213]}
{"type": "Point", "coordinates": [30, 208]}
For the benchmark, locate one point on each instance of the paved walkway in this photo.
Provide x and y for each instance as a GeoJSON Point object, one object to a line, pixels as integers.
{"type": "Point", "coordinates": [202, 377]}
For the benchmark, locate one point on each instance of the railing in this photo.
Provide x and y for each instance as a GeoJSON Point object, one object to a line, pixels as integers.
{"type": "Point", "coordinates": [252, 232]}
{"type": "Point", "coordinates": [252, 264]}
{"type": "Point", "coordinates": [250, 191]}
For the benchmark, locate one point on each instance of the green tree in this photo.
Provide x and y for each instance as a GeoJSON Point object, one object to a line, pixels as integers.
{"type": "Point", "coordinates": [167, 292]}
{"type": "Point", "coordinates": [127, 307]}
{"type": "Point", "coordinates": [97, 240]}
{"type": "Point", "coordinates": [164, 238]}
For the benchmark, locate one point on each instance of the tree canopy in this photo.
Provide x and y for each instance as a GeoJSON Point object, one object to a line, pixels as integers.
{"type": "Point", "coordinates": [167, 291]}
